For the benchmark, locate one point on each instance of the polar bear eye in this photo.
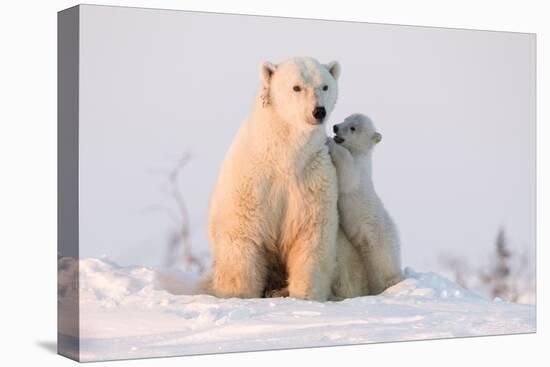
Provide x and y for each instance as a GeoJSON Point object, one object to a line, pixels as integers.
{"type": "Point", "coordinates": [297, 88]}
{"type": "Point", "coordinates": [352, 128]}
{"type": "Point", "coordinates": [325, 87]}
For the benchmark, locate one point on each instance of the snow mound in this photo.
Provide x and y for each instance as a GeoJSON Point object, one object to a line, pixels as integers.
{"type": "Point", "coordinates": [428, 285]}
{"type": "Point", "coordinates": [126, 312]}
{"type": "Point", "coordinates": [110, 284]}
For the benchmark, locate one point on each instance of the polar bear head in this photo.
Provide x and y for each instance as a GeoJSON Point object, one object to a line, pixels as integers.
{"type": "Point", "coordinates": [302, 91]}
{"type": "Point", "coordinates": [357, 134]}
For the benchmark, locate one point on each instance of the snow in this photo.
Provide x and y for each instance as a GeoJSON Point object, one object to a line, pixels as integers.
{"type": "Point", "coordinates": [125, 312]}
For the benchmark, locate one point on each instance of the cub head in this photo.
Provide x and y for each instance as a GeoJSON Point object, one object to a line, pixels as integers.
{"type": "Point", "coordinates": [301, 90]}
{"type": "Point", "coordinates": [357, 133]}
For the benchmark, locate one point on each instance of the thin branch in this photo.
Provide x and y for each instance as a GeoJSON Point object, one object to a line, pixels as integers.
{"type": "Point", "coordinates": [180, 240]}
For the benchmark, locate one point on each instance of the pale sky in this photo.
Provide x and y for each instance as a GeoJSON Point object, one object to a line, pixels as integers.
{"type": "Point", "coordinates": [456, 109]}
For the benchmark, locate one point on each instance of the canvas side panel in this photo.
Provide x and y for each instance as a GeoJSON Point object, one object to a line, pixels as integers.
{"type": "Point", "coordinates": [67, 182]}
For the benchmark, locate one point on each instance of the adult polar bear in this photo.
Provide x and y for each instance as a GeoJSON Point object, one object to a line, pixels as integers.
{"type": "Point", "coordinates": [273, 217]}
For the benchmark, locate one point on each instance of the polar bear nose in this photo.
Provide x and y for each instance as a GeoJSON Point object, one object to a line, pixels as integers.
{"type": "Point", "coordinates": [319, 113]}
{"type": "Point", "coordinates": [335, 129]}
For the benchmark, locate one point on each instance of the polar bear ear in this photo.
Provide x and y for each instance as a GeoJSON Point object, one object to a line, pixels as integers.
{"type": "Point", "coordinates": [266, 72]}
{"type": "Point", "coordinates": [377, 137]}
{"type": "Point", "coordinates": [334, 69]}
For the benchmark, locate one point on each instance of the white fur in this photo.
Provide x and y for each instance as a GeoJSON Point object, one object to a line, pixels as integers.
{"type": "Point", "coordinates": [351, 277]}
{"type": "Point", "coordinates": [363, 217]}
{"type": "Point", "coordinates": [273, 208]}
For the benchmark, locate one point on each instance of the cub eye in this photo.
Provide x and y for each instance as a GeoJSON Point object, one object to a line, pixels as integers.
{"type": "Point", "coordinates": [352, 128]}
{"type": "Point", "coordinates": [325, 87]}
{"type": "Point", "coordinates": [297, 88]}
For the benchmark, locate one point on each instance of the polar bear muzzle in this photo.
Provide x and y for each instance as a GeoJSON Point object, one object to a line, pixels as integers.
{"type": "Point", "coordinates": [319, 113]}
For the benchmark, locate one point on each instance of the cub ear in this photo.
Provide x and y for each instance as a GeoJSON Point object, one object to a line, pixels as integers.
{"type": "Point", "coordinates": [334, 69]}
{"type": "Point", "coordinates": [266, 72]}
{"type": "Point", "coordinates": [377, 137]}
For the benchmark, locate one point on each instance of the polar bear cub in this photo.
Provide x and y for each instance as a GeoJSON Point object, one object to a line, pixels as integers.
{"type": "Point", "coordinates": [363, 217]}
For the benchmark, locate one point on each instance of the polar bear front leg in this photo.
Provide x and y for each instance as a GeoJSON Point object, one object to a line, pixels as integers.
{"type": "Point", "coordinates": [346, 171]}
{"type": "Point", "coordinates": [312, 259]}
{"type": "Point", "coordinates": [239, 270]}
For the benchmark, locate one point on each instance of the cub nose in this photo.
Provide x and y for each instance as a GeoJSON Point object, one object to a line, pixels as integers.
{"type": "Point", "coordinates": [319, 113]}
{"type": "Point", "coordinates": [335, 129]}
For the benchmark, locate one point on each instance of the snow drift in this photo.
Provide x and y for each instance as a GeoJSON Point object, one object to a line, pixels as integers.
{"type": "Point", "coordinates": [125, 312]}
